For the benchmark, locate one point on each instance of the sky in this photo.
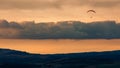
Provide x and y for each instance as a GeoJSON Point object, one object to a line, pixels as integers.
{"type": "Point", "coordinates": [59, 10]}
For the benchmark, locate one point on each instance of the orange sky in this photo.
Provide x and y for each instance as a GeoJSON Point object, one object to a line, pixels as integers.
{"type": "Point", "coordinates": [60, 46]}
{"type": "Point", "coordinates": [59, 10]}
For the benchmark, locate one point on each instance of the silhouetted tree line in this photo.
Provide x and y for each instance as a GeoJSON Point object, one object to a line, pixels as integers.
{"type": "Point", "coordinates": [60, 30]}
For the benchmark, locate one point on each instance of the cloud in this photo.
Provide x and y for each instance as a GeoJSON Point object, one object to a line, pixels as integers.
{"type": "Point", "coordinates": [9, 33]}
{"type": "Point", "coordinates": [56, 4]}
{"type": "Point", "coordinates": [106, 3]}
{"type": "Point", "coordinates": [27, 4]}
{"type": "Point", "coordinates": [60, 30]}
{"type": "Point", "coordinates": [92, 3]}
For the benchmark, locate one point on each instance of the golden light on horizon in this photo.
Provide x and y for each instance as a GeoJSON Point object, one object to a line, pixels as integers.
{"type": "Point", "coordinates": [60, 46]}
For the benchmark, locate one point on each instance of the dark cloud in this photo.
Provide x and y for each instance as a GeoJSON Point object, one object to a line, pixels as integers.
{"type": "Point", "coordinates": [59, 30]}
{"type": "Point", "coordinates": [47, 4]}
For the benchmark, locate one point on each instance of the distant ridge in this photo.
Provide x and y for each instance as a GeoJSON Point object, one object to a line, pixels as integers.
{"type": "Point", "coordinates": [12, 59]}
{"type": "Point", "coordinates": [10, 51]}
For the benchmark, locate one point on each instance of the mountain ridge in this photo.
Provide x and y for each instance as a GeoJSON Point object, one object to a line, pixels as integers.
{"type": "Point", "coordinates": [20, 59]}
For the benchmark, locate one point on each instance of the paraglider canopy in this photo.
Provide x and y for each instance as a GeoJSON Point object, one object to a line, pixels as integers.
{"type": "Point", "coordinates": [91, 11]}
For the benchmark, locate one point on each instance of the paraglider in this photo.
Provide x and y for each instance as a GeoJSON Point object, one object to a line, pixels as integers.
{"type": "Point", "coordinates": [91, 12]}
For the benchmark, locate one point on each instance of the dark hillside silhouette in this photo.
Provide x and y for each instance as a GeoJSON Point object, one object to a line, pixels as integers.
{"type": "Point", "coordinates": [18, 59]}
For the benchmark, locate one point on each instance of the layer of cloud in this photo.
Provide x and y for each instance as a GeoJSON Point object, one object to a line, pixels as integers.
{"type": "Point", "coordinates": [27, 4]}
{"type": "Point", "coordinates": [57, 4]}
{"type": "Point", "coordinates": [59, 30]}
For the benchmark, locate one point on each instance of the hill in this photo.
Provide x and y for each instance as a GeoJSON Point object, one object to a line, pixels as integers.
{"type": "Point", "coordinates": [17, 59]}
